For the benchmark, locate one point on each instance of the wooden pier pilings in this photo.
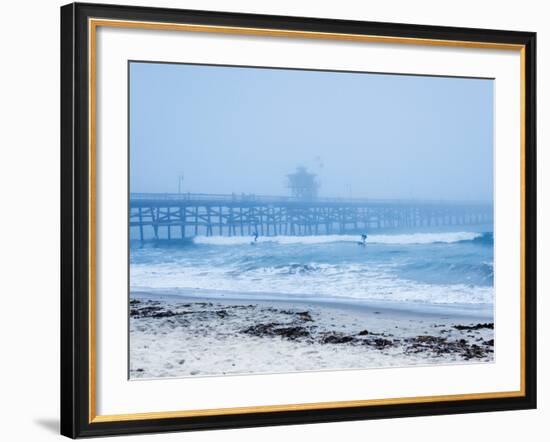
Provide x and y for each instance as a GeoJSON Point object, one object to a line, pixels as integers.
{"type": "Point", "coordinates": [177, 216]}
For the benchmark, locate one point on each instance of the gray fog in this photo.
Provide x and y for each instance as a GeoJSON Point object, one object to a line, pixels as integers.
{"type": "Point", "coordinates": [241, 130]}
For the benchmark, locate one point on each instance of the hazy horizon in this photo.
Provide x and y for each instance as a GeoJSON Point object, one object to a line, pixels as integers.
{"type": "Point", "coordinates": [242, 130]}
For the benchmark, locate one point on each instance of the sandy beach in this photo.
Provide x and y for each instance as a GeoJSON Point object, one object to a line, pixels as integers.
{"type": "Point", "coordinates": [178, 336]}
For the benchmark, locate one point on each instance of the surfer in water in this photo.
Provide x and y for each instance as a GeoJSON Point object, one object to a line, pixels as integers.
{"type": "Point", "coordinates": [363, 241]}
{"type": "Point", "coordinates": [255, 235]}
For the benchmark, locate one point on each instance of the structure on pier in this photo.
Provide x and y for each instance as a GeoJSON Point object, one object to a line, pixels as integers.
{"type": "Point", "coordinates": [175, 216]}
{"type": "Point", "coordinates": [302, 184]}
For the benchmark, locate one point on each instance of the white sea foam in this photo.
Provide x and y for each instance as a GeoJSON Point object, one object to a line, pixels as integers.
{"type": "Point", "coordinates": [323, 281]}
{"type": "Point", "coordinates": [412, 238]}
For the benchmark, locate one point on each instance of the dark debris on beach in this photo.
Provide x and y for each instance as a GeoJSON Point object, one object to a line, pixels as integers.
{"type": "Point", "coordinates": [479, 326]}
{"type": "Point", "coordinates": [292, 333]}
{"type": "Point", "coordinates": [299, 325]}
{"type": "Point", "coordinates": [441, 346]}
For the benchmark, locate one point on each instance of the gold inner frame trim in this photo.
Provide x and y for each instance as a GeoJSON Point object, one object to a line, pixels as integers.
{"type": "Point", "coordinates": [306, 406]}
{"type": "Point", "coordinates": [93, 24]}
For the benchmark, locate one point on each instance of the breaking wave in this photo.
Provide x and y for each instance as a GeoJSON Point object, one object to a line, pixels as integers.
{"type": "Point", "coordinates": [413, 238]}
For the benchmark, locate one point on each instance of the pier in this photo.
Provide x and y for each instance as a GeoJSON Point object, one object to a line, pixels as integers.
{"type": "Point", "coordinates": [182, 215]}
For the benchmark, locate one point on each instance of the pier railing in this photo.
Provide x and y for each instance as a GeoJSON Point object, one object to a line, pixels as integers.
{"type": "Point", "coordinates": [271, 199]}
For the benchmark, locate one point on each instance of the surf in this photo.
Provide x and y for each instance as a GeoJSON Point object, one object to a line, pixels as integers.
{"type": "Point", "coordinates": [403, 239]}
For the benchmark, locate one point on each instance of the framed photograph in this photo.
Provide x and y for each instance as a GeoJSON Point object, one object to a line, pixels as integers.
{"type": "Point", "coordinates": [274, 220]}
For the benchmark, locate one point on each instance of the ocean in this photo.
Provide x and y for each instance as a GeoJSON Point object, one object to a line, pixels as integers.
{"type": "Point", "coordinates": [422, 269]}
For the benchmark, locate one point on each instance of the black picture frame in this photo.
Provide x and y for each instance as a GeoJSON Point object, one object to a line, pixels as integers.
{"type": "Point", "coordinates": [75, 221]}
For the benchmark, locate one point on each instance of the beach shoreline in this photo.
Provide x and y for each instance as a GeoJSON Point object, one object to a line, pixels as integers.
{"type": "Point", "coordinates": [181, 335]}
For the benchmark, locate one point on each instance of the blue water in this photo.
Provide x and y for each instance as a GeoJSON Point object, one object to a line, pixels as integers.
{"type": "Point", "coordinates": [427, 268]}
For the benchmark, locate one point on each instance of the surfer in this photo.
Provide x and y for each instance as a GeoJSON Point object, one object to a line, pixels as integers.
{"type": "Point", "coordinates": [255, 235]}
{"type": "Point", "coordinates": [363, 241]}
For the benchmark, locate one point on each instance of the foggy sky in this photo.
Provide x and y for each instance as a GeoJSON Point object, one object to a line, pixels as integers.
{"type": "Point", "coordinates": [230, 129]}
